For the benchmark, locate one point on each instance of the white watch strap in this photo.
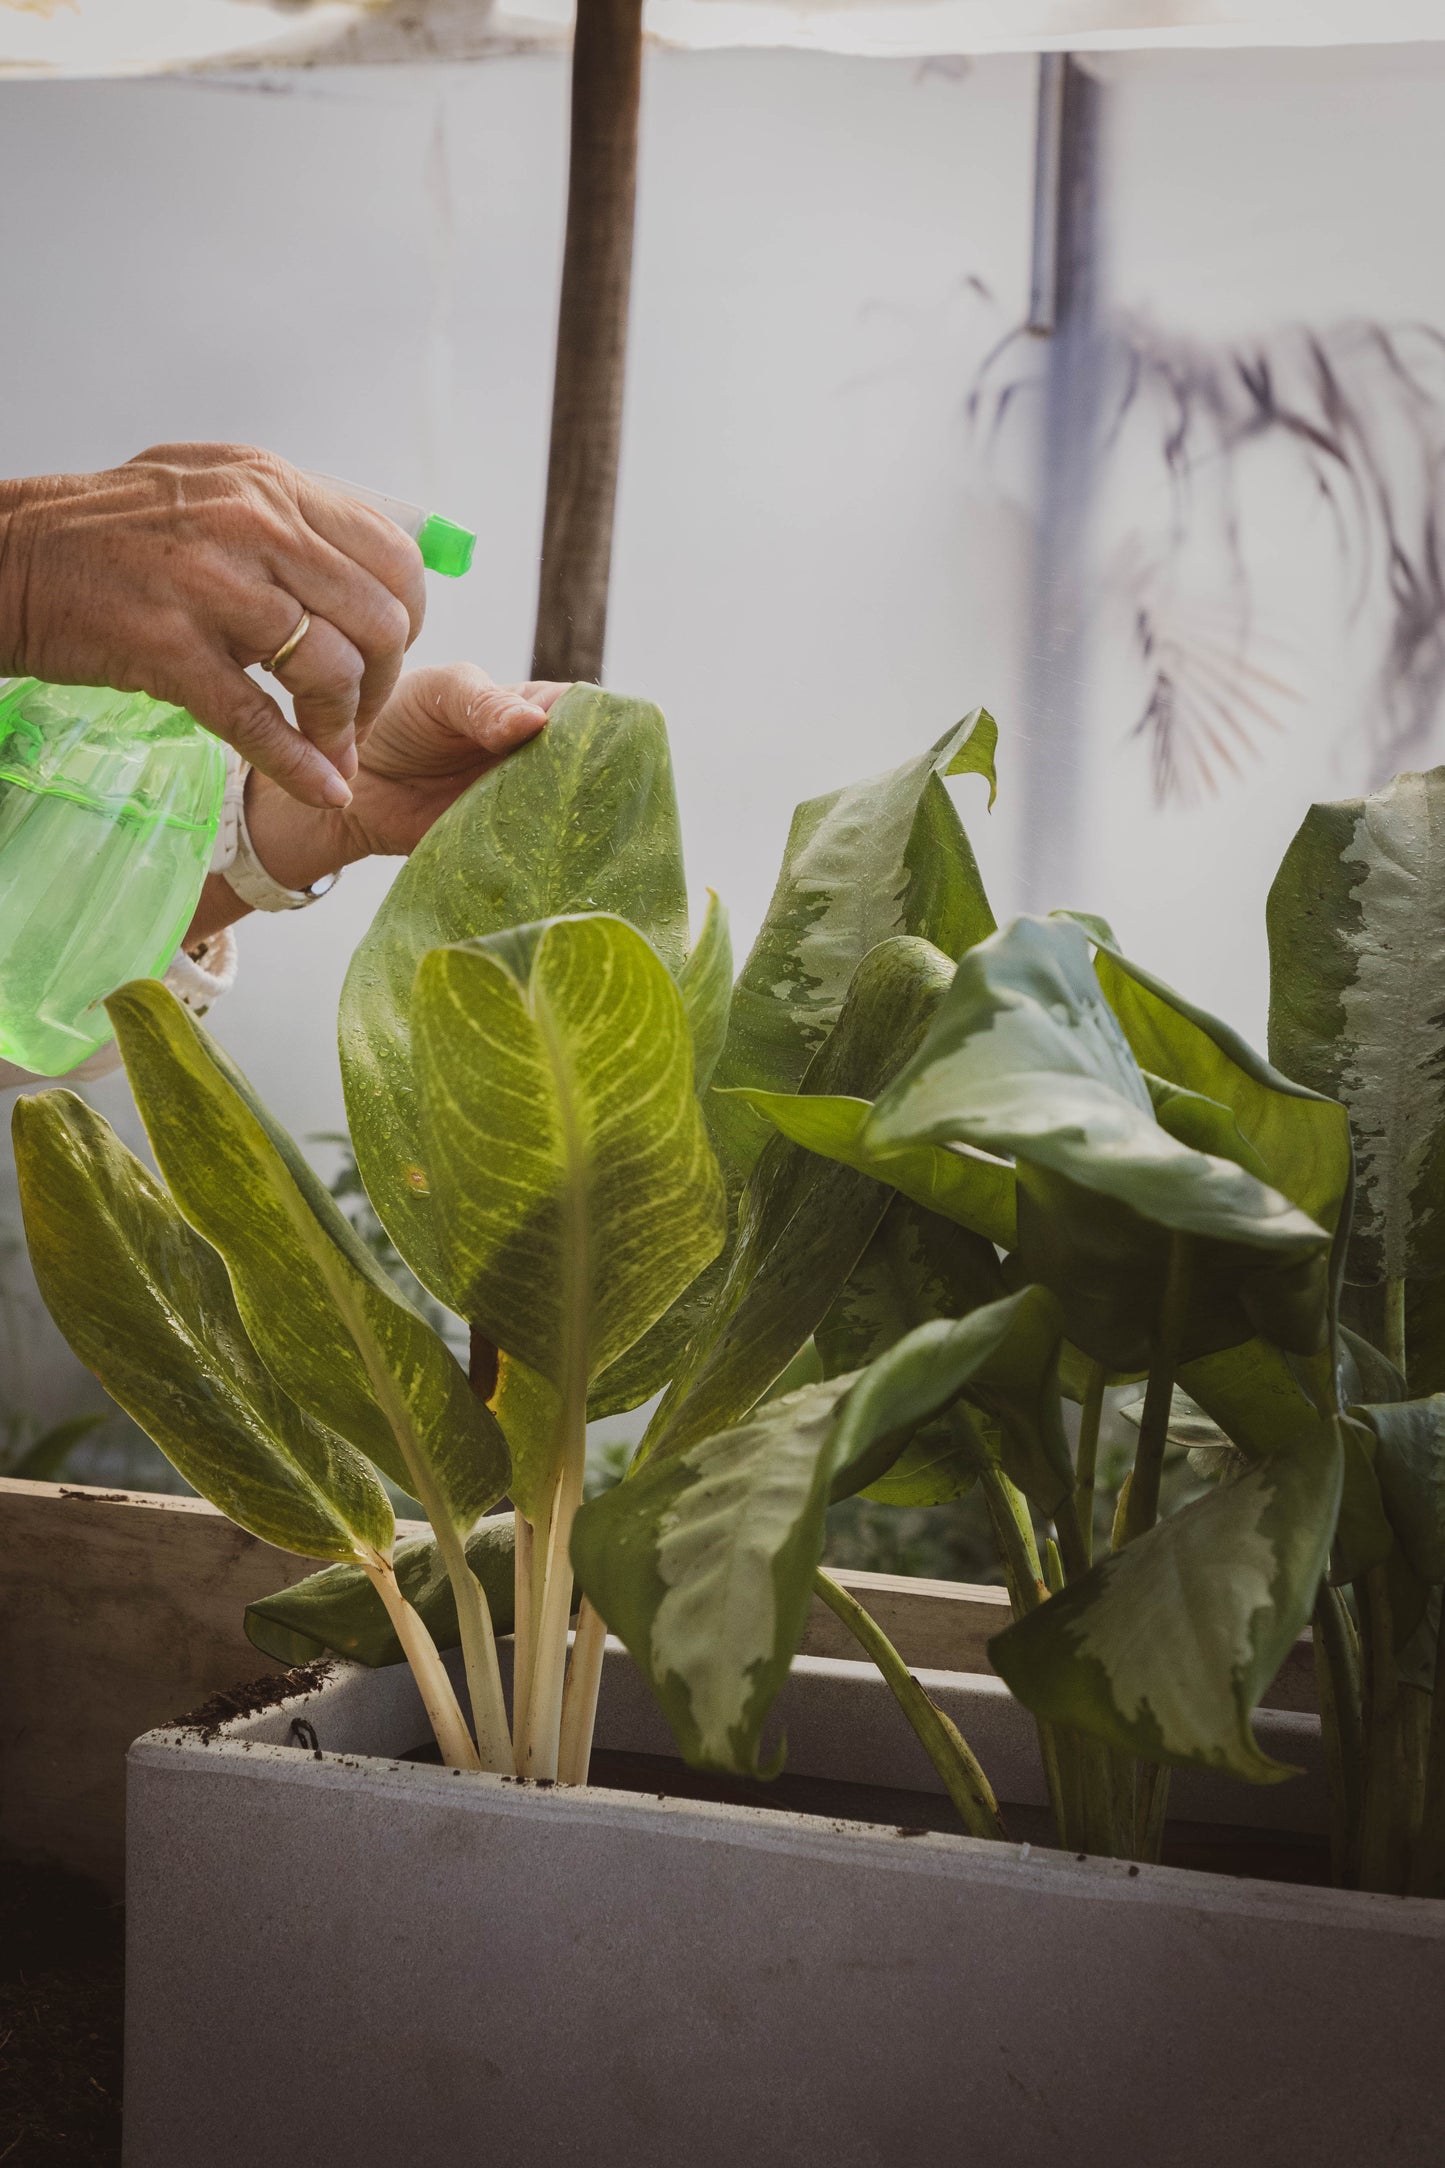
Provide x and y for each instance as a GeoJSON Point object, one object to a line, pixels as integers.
{"type": "Point", "coordinates": [235, 854]}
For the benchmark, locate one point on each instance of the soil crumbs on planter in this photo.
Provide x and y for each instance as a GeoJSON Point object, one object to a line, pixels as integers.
{"type": "Point", "coordinates": [250, 1699]}
{"type": "Point", "coordinates": [1213, 1848]}
{"type": "Point", "coordinates": [61, 2000]}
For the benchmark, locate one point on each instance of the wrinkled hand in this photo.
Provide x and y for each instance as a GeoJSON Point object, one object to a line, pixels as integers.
{"type": "Point", "coordinates": [172, 574]}
{"type": "Point", "coordinates": [440, 730]}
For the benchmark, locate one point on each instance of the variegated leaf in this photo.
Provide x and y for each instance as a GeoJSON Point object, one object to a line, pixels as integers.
{"type": "Point", "coordinates": [1357, 1005]}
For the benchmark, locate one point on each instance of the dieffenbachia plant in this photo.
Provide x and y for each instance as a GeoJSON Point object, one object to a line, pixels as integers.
{"type": "Point", "coordinates": [527, 1042]}
{"type": "Point", "coordinates": [942, 1180]}
{"type": "Point", "coordinates": [1356, 922]}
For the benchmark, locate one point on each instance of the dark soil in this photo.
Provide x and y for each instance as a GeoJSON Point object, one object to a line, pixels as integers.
{"type": "Point", "coordinates": [1214, 1848]}
{"type": "Point", "coordinates": [61, 1974]}
{"type": "Point", "coordinates": [250, 1700]}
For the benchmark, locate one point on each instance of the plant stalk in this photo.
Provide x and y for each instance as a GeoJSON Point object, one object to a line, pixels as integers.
{"type": "Point", "coordinates": [1087, 1461]}
{"type": "Point", "coordinates": [1018, 1554]}
{"type": "Point", "coordinates": [1395, 1346]}
{"type": "Point", "coordinates": [540, 1744]}
{"type": "Point", "coordinates": [523, 1552]}
{"type": "Point", "coordinates": [479, 1653]}
{"type": "Point", "coordinates": [579, 1699]}
{"type": "Point", "coordinates": [940, 1738]}
{"type": "Point", "coordinates": [1337, 1677]}
{"type": "Point", "coordinates": [474, 1620]}
{"type": "Point", "coordinates": [1143, 1505]}
{"type": "Point", "coordinates": [433, 1684]}
{"type": "Point", "coordinates": [1070, 1528]}
{"type": "Point", "coordinates": [1427, 1865]}
{"type": "Point", "coordinates": [1381, 1851]}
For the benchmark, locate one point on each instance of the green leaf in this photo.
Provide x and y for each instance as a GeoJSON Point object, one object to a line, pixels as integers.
{"type": "Point", "coordinates": [146, 1305]}
{"type": "Point", "coordinates": [977, 1192]}
{"type": "Point", "coordinates": [703, 1560]}
{"type": "Point", "coordinates": [338, 1611]}
{"type": "Point", "coordinates": [1356, 922]}
{"type": "Point", "coordinates": [1410, 1465]}
{"type": "Point", "coordinates": [916, 1267]}
{"type": "Point", "coordinates": [1026, 1060]}
{"type": "Point", "coordinates": [805, 1221]}
{"type": "Point", "coordinates": [1160, 1652]}
{"type": "Point", "coordinates": [1300, 1141]}
{"type": "Point", "coordinates": [575, 1188]}
{"type": "Point", "coordinates": [884, 857]}
{"type": "Point", "coordinates": [329, 1324]}
{"type": "Point", "coordinates": [1002, 1356]}
{"type": "Point", "coordinates": [583, 818]}
{"type": "Point", "coordinates": [706, 985]}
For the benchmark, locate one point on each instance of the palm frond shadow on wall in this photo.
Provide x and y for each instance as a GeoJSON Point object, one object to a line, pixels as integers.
{"type": "Point", "coordinates": [1359, 406]}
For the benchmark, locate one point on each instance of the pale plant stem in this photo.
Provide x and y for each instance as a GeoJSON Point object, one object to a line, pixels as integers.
{"type": "Point", "coordinates": [1337, 1676]}
{"type": "Point", "coordinates": [542, 1739]}
{"type": "Point", "coordinates": [434, 1686]}
{"type": "Point", "coordinates": [1427, 1867]}
{"type": "Point", "coordinates": [1018, 1555]}
{"type": "Point", "coordinates": [1086, 1465]}
{"type": "Point", "coordinates": [1143, 1506]}
{"type": "Point", "coordinates": [940, 1738]}
{"type": "Point", "coordinates": [474, 1619]}
{"type": "Point", "coordinates": [1380, 1861]}
{"type": "Point", "coordinates": [1151, 1808]}
{"type": "Point", "coordinates": [1073, 1543]}
{"type": "Point", "coordinates": [1395, 1346]}
{"type": "Point", "coordinates": [579, 1698]}
{"type": "Point", "coordinates": [539, 1744]}
{"type": "Point", "coordinates": [522, 1555]}
{"type": "Point", "coordinates": [479, 1655]}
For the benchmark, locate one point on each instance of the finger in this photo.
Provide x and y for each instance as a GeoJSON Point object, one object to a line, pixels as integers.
{"type": "Point", "coordinates": [544, 691]}
{"type": "Point", "coordinates": [323, 676]}
{"type": "Point", "coordinates": [495, 718]}
{"type": "Point", "coordinates": [235, 708]}
{"type": "Point", "coordinates": [379, 600]}
{"type": "Point", "coordinates": [370, 617]}
{"type": "Point", "coordinates": [371, 541]}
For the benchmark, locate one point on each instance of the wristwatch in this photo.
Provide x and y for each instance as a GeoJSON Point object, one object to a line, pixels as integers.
{"type": "Point", "coordinates": [235, 854]}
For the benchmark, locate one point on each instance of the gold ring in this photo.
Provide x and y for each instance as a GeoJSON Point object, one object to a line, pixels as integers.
{"type": "Point", "coordinates": [288, 648]}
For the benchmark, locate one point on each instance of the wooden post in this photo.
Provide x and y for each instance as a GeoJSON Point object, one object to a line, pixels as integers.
{"type": "Point", "coordinates": [591, 341]}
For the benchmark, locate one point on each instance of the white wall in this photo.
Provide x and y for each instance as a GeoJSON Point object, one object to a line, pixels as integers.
{"type": "Point", "coordinates": [818, 564]}
{"type": "Point", "coordinates": [812, 575]}
{"type": "Point", "coordinates": [1250, 198]}
{"type": "Point", "coordinates": [361, 270]}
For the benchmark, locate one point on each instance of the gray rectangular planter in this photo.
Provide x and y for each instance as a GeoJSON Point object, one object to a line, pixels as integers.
{"type": "Point", "coordinates": [341, 1958]}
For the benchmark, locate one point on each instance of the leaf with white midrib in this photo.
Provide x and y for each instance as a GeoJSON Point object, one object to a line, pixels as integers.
{"type": "Point", "coordinates": [561, 1121]}
{"type": "Point", "coordinates": [146, 1304]}
{"type": "Point", "coordinates": [328, 1322]}
{"type": "Point", "coordinates": [582, 818]}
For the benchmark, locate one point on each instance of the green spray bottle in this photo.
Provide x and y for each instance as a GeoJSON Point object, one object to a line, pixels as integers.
{"type": "Point", "coordinates": [110, 805]}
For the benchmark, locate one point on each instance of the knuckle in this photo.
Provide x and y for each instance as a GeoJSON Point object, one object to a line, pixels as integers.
{"type": "Point", "coordinates": [385, 628]}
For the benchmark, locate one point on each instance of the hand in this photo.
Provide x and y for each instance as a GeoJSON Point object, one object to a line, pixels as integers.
{"type": "Point", "coordinates": [440, 730]}
{"type": "Point", "coordinates": [174, 573]}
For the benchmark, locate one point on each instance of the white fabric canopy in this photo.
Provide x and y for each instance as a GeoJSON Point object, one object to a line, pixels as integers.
{"type": "Point", "coordinates": [106, 37]}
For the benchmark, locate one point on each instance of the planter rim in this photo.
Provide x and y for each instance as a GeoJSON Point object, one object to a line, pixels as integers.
{"type": "Point", "coordinates": [242, 1745]}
